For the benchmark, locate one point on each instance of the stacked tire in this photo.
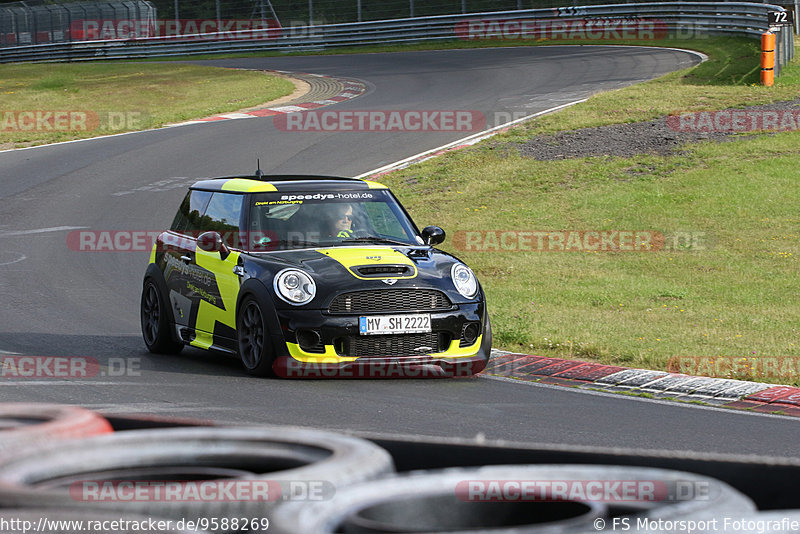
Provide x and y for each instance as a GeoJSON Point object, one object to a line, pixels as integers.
{"type": "Point", "coordinates": [457, 501]}
{"type": "Point", "coordinates": [23, 425]}
{"type": "Point", "coordinates": [222, 479]}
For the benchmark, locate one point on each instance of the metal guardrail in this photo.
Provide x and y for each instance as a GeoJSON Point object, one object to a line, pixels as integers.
{"type": "Point", "coordinates": [679, 19]}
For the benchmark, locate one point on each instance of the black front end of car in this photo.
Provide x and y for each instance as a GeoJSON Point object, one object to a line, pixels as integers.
{"type": "Point", "coordinates": [328, 336]}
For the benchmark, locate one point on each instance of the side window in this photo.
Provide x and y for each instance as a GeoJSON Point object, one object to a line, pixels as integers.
{"type": "Point", "coordinates": [222, 215]}
{"type": "Point", "coordinates": [187, 220]}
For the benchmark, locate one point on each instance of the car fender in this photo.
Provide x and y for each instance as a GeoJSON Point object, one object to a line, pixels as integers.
{"type": "Point", "coordinates": [253, 287]}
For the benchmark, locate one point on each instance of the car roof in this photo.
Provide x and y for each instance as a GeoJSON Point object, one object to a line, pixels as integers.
{"type": "Point", "coordinates": [285, 182]}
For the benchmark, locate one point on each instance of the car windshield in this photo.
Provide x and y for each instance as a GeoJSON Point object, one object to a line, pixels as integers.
{"type": "Point", "coordinates": [281, 221]}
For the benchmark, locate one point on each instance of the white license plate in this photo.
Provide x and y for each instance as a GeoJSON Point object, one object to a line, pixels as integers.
{"type": "Point", "coordinates": [394, 324]}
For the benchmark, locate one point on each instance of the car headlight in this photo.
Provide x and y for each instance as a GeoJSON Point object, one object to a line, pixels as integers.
{"type": "Point", "coordinates": [294, 286]}
{"type": "Point", "coordinates": [464, 280]}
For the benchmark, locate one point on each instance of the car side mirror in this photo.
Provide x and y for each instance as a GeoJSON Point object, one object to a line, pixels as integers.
{"type": "Point", "coordinates": [433, 235]}
{"type": "Point", "coordinates": [212, 242]}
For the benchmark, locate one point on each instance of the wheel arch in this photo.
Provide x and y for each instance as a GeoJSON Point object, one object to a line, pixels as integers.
{"type": "Point", "coordinates": [256, 289]}
{"type": "Point", "coordinates": [154, 273]}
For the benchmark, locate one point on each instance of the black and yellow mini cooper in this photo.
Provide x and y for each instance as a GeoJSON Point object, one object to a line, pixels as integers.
{"type": "Point", "coordinates": [312, 276]}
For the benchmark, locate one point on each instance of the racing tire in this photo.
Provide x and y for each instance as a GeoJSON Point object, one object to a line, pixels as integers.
{"type": "Point", "coordinates": [27, 424]}
{"type": "Point", "coordinates": [294, 464]}
{"type": "Point", "coordinates": [254, 343]}
{"type": "Point", "coordinates": [155, 321]}
{"type": "Point", "coordinates": [446, 501]}
{"type": "Point", "coordinates": [51, 420]}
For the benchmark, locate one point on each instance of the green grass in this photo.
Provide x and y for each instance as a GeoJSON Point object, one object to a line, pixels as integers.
{"type": "Point", "coordinates": [146, 95]}
{"type": "Point", "coordinates": [730, 78]}
{"type": "Point", "coordinates": [737, 296]}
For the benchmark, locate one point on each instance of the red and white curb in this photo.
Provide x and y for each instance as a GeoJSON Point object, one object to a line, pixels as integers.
{"type": "Point", "coordinates": [755, 396]}
{"type": "Point", "coordinates": [350, 89]}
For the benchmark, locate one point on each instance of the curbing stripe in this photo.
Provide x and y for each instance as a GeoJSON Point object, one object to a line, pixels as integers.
{"type": "Point", "coordinates": [349, 89]}
{"type": "Point", "coordinates": [782, 394]}
{"type": "Point", "coordinates": [721, 392]}
{"type": "Point", "coordinates": [588, 372]}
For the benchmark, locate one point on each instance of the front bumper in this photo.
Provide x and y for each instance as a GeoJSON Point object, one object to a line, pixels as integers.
{"type": "Point", "coordinates": [343, 352]}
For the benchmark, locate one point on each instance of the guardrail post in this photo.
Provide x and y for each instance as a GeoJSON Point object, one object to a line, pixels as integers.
{"type": "Point", "coordinates": [767, 59]}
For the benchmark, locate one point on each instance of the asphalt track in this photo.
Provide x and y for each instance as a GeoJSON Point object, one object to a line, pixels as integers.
{"type": "Point", "coordinates": [59, 302]}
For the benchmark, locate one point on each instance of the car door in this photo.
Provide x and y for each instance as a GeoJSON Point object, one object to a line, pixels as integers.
{"type": "Point", "coordinates": [214, 287]}
{"type": "Point", "coordinates": [180, 245]}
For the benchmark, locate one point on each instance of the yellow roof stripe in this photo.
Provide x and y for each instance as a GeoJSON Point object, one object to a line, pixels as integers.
{"type": "Point", "coordinates": [375, 185]}
{"type": "Point", "coordinates": [244, 185]}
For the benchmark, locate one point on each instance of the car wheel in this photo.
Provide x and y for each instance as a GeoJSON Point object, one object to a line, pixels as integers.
{"type": "Point", "coordinates": [155, 323]}
{"type": "Point", "coordinates": [255, 348]}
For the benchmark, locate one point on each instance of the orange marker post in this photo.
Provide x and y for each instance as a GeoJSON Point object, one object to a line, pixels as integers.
{"type": "Point", "coordinates": [767, 59]}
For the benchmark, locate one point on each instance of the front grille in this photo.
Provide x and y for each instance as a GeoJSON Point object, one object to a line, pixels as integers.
{"type": "Point", "coordinates": [394, 345]}
{"type": "Point", "coordinates": [390, 300]}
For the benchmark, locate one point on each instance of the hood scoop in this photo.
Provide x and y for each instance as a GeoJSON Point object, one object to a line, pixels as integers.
{"type": "Point", "coordinates": [381, 271]}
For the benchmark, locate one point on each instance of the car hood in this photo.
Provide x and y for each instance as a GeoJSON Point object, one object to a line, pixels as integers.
{"type": "Point", "coordinates": [358, 268]}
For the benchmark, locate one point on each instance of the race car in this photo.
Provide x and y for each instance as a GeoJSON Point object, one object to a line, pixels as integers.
{"type": "Point", "coordinates": [312, 276]}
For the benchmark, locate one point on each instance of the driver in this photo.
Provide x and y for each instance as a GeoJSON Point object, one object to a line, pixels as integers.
{"type": "Point", "coordinates": [340, 222]}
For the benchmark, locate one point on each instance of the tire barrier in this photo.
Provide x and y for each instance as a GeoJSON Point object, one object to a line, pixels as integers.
{"type": "Point", "coordinates": [26, 424]}
{"type": "Point", "coordinates": [292, 481]}
{"type": "Point", "coordinates": [58, 521]}
{"type": "Point", "coordinates": [490, 500]}
{"type": "Point", "coordinates": [196, 472]}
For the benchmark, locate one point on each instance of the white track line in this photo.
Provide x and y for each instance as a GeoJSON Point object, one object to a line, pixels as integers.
{"type": "Point", "coordinates": [471, 139]}
{"type": "Point", "coordinates": [41, 230]}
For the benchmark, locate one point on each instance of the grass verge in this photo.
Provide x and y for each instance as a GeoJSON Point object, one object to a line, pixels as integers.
{"type": "Point", "coordinates": [111, 97]}
{"type": "Point", "coordinates": [734, 296]}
